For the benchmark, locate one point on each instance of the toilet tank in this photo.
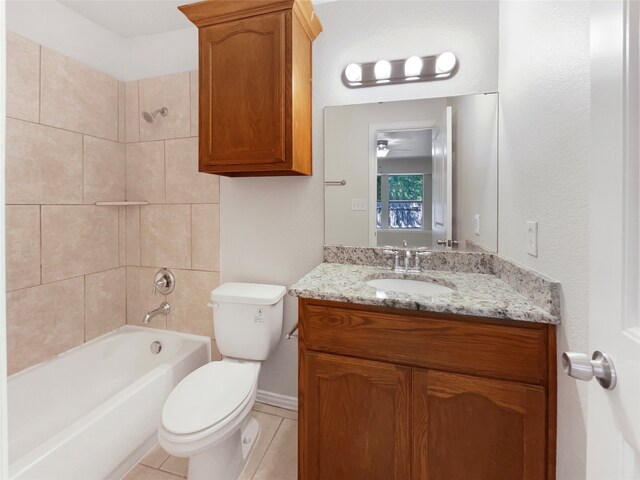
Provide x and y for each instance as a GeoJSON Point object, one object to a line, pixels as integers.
{"type": "Point", "coordinates": [247, 319]}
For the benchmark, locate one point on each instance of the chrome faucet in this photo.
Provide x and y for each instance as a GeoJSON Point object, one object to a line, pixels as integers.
{"type": "Point", "coordinates": [163, 309]}
{"type": "Point", "coordinates": [407, 266]}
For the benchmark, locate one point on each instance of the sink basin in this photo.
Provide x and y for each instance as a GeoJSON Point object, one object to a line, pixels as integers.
{"type": "Point", "coordinates": [415, 287]}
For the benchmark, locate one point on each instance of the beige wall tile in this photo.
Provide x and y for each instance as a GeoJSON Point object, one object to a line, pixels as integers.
{"type": "Point", "coordinates": [215, 352]}
{"type": "Point", "coordinates": [23, 246]}
{"type": "Point", "coordinates": [145, 172]}
{"type": "Point", "coordinates": [104, 170]}
{"type": "Point", "coordinates": [140, 297]}
{"type": "Point", "coordinates": [268, 426]}
{"type": "Point", "coordinates": [77, 97]}
{"type": "Point", "coordinates": [205, 231]}
{"type": "Point", "coordinates": [281, 459]}
{"type": "Point", "coordinates": [189, 310]}
{"type": "Point", "coordinates": [77, 240]}
{"type": "Point", "coordinates": [171, 91]}
{"type": "Point", "coordinates": [184, 183]}
{"type": "Point", "coordinates": [43, 164]}
{"type": "Point", "coordinates": [122, 236]}
{"type": "Point", "coordinates": [43, 321]}
{"type": "Point", "coordinates": [165, 236]}
{"type": "Point", "coordinates": [23, 78]}
{"type": "Point", "coordinates": [133, 235]}
{"type": "Point", "coordinates": [132, 112]}
{"type": "Point", "coordinates": [193, 79]}
{"type": "Point", "coordinates": [105, 302]}
{"type": "Point", "coordinates": [122, 121]}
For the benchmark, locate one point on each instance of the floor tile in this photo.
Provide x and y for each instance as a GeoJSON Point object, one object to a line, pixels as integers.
{"type": "Point", "coordinates": [281, 460]}
{"type": "Point", "coordinates": [270, 409]}
{"type": "Point", "coordinates": [268, 426]}
{"type": "Point", "coordinates": [155, 457]}
{"type": "Point", "coordinates": [141, 472]}
{"type": "Point", "coordinates": [176, 465]}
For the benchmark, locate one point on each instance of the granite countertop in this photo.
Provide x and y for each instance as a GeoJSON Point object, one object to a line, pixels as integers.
{"type": "Point", "coordinates": [475, 294]}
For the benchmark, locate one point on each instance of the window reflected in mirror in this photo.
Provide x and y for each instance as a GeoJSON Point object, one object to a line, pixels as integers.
{"type": "Point", "coordinates": [417, 172]}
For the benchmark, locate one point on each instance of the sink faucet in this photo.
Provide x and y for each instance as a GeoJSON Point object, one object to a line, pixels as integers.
{"type": "Point", "coordinates": [163, 309]}
{"type": "Point", "coordinates": [407, 265]}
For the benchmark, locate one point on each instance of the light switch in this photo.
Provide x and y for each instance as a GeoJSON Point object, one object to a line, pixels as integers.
{"type": "Point", "coordinates": [358, 204]}
{"type": "Point", "coordinates": [532, 238]}
{"type": "Point", "coordinates": [476, 224]}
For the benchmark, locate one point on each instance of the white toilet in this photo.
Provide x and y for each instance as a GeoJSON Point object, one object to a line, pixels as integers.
{"type": "Point", "coordinates": [207, 416]}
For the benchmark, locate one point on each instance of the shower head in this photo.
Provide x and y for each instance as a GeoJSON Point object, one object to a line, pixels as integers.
{"type": "Point", "coordinates": [149, 117]}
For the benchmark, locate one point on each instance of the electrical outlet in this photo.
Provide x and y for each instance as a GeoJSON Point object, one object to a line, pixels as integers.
{"type": "Point", "coordinates": [476, 224]}
{"type": "Point", "coordinates": [358, 204]}
{"type": "Point", "coordinates": [532, 238]}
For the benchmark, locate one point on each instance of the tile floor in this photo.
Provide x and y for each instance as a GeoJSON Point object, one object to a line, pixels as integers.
{"type": "Point", "coordinates": [274, 457]}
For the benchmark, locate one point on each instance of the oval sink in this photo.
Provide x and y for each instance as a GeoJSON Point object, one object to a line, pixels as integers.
{"type": "Point", "coordinates": [414, 287]}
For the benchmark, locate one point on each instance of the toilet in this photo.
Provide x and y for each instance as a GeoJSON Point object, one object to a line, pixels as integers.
{"type": "Point", "coordinates": [207, 417]}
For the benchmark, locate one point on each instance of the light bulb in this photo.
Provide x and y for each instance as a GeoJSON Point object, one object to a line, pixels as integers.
{"type": "Point", "coordinates": [446, 62]}
{"type": "Point", "coordinates": [413, 67]}
{"type": "Point", "coordinates": [382, 70]}
{"type": "Point", "coordinates": [353, 72]}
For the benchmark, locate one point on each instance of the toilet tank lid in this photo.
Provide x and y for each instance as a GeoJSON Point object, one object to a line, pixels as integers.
{"type": "Point", "coordinates": [248, 293]}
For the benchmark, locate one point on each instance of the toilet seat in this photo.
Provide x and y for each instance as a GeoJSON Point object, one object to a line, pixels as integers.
{"type": "Point", "coordinates": [207, 397]}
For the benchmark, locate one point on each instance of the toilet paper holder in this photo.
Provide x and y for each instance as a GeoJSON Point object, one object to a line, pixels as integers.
{"type": "Point", "coordinates": [292, 332]}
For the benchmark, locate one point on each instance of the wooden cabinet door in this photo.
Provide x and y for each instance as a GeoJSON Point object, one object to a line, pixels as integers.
{"type": "Point", "coordinates": [243, 71]}
{"type": "Point", "coordinates": [473, 428]}
{"type": "Point", "coordinates": [354, 419]}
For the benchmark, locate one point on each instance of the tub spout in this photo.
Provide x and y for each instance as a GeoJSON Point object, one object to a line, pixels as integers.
{"type": "Point", "coordinates": [163, 309]}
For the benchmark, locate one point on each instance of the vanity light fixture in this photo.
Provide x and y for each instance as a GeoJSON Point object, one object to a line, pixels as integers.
{"type": "Point", "coordinates": [382, 71]}
{"type": "Point", "coordinates": [382, 148]}
{"type": "Point", "coordinates": [413, 69]}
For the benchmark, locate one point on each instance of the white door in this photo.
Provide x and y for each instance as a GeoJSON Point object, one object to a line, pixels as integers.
{"type": "Point", "coordinates": [613, 416]}
{"type": "Point", "coordinates": [442, 178]}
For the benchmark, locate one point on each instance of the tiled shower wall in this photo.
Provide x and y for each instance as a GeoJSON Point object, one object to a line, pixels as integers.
{"type": "Point", "coordinates": [180, 228]}
{"type": "Point", "coordinates": [76, 270]}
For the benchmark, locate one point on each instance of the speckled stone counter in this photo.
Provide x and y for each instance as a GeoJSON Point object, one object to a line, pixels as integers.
{"type": "Point", "coordinates": [484, 285]}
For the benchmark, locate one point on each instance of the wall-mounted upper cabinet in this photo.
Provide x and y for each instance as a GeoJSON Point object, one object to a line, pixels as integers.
{"type": "Point", "coordinates": [255, 85]}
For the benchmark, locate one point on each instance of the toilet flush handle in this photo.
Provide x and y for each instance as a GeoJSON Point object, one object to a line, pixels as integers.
{"type": "Point", "coordinates": [213, 305]}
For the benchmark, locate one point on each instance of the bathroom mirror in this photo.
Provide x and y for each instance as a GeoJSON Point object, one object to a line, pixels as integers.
{"type": "Point", "coordinates": [424, 172]}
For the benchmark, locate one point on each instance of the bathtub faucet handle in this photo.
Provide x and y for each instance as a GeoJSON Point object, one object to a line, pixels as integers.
{"type": "Point", "coordinates": [163, 282]}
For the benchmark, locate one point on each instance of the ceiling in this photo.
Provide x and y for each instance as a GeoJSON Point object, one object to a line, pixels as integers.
{"type": "Point", "coordinates": [408, 143]}
{"type": "Point", "coordinates": [135, 18]}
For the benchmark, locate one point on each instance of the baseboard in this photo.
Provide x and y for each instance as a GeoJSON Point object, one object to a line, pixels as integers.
{"type": "Point", "coordinates": [277, 400]}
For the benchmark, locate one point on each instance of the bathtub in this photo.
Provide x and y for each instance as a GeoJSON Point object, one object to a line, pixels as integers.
{"type": "Point", "coordinates": [93, 412]}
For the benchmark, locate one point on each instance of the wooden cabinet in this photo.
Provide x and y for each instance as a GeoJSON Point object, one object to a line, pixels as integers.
{"type": "Point", "coordinates": [254, 85]}
{"type": "Point", "coordinates": [357, 410]}
{"type": "Point", "coordinates": [464, 424]}
{"type": "Point", "coordinates": [394, 394]}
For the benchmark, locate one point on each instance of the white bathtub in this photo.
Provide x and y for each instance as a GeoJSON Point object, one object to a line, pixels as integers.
{"type": "Point", "coordinates": [93, 412]}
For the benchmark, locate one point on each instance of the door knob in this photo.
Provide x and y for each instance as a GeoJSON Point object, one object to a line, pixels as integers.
{"type": "Point", "coordinates": [600, 366]}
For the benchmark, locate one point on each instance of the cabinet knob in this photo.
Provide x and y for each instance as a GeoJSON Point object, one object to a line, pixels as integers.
{"type": "Point", "coordinates": [600, 366]}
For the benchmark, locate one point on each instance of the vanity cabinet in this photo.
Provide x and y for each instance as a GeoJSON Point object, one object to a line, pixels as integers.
{"type": "Point", "coordinates": [254, 85]}
{"type": "Point", "coordinates": [402, 394]}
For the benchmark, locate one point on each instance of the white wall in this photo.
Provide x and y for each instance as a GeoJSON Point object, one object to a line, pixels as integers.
{"type": "Point", "coordinates": [346, 157]}
{"type": "Point", "coordinates": [544, 175]}
{"type": "Point", "coordinates": [55, 26]}
{"type": "Point", "coordinates": [475, 166]}
{"type": "Point", "coordinates": [272, 228]}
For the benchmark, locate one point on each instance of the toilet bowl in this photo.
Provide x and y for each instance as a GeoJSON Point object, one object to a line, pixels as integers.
{"type": "Point", "coordinates": [207, 416]}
